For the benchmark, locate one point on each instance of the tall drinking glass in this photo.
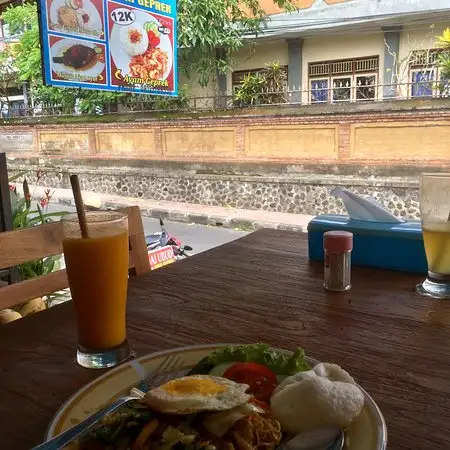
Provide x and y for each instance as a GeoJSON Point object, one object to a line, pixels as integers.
{"type": "Point", "coordinates": [435, 216]}
{"type": "Point", "coordinates": [97, 269]}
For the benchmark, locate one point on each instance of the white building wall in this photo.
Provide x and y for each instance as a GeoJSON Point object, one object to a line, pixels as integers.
{"type": "Point", "coordinates": [326, 48]}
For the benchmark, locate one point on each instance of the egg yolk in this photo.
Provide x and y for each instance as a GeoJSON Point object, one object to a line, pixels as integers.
{"type": "Point", "coordinates": [193, 386]}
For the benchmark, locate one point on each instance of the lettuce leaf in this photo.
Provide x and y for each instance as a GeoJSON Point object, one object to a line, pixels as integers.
{"type": "Point", "coordinates": [279, 362]}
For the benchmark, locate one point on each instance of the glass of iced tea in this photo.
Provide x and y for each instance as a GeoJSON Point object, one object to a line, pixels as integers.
{"type": "Point", "coordinates": [435, 216]}
{"type": "Point", "coordinates": [97, 269]}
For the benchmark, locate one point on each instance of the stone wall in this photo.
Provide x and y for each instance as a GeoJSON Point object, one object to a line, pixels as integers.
{"type": "Point", "coordinates": [283, 188]}
{"type": "Point", "coordinates": [282, 159]}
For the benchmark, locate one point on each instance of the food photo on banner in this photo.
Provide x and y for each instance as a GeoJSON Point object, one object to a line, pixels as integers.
{"type": "Point", "coordinates": [121, 45]}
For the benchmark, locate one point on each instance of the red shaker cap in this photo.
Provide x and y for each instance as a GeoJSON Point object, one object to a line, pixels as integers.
{"type": "Point", "coordinates": [338, 241]}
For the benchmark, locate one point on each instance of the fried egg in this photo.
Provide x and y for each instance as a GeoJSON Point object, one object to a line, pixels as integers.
{"type": "Point", "coordinates": [196, 393]}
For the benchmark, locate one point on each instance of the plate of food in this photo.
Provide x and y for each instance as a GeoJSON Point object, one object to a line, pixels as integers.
{"type": "Point", "coordinates": [140, 49]}
{"type": "Point", "coordinates": [71, 56]}
{"type": "Point", "coordinates": [227, 397]}
{"type": "Point", "coordinates": [76, 15]}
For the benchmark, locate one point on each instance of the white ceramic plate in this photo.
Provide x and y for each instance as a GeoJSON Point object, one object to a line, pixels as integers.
{"type": "Point", "coordinates": [122, 58]}
{"type": "Point", "coordinates": [58, 49]}
{"type": "Point", "coordinates": [367, 431]}
{"type": "Point", "coordinates": [87, 5]}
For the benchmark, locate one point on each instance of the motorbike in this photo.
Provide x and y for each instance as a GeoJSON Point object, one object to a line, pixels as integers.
{"type": "Point", "coordinates": [164, 248]}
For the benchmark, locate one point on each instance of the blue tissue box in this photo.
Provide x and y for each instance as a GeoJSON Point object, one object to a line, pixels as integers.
{"type": "Point", "coordinates": [394, 246]}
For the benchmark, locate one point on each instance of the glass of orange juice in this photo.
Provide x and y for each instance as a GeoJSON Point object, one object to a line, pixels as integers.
{"type": "Point", "coordinates": [97, 269]}
{"type": "Point", "coordinates": [435, 217]}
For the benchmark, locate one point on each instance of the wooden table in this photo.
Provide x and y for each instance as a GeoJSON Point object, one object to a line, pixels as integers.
{"type": "Point", "coordinates": [259, 288]}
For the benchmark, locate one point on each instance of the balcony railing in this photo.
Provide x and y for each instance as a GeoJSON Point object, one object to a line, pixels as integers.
{"type": "Point", "coordinates": [339, 94]}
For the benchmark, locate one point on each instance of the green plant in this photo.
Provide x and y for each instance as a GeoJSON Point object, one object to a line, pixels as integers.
{"type": "Point", "coordinates": [443, 42]}
{"type": "Point", "coordinates": [275, 78]}
{"type": "Point", "coordinates": [248, 94]}
{"type": "Point", "coordinates": [25, 216]}
{"type": "Point", "coordinates": [264, 87]}
{"type": "Point", "coordinates": [137, 102]}
{"type": "Point", "coordinates": [443, 61]}
{"type": "Point", "coordinates": [8, 70]}
{"type": "Point", "coordinates": [208, 35]}
{"type": "Point", "coordinates": [211, 32]}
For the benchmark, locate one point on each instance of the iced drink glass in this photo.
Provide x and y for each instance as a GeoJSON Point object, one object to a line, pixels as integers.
{"type": "Point", "coordinates": [97, 269]}
{"type": "Point", "coordinates": [435, 217]}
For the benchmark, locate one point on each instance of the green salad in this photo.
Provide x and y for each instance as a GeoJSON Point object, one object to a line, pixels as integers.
{"type": "Point", "coordinates": [279, 362]}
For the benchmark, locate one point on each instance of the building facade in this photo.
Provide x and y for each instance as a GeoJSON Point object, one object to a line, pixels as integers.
{"type": "Point", "coordinates": [332, 51]}
{"type": "Point", "coordinates": [347, 50]}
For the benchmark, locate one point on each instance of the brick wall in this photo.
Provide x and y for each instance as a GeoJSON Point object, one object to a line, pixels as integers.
{"type": "Point", "coordinates": [366, 138]}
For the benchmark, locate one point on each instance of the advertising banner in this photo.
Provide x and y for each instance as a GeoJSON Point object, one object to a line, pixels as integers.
{"type": "Point", "coordinates": [120, 45]}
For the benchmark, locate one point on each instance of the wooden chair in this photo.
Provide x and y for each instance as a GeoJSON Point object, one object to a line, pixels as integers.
{"type": "Point", "coordinates": [6, 219]}
{"type": "Point", "coordinates": [28, 244]}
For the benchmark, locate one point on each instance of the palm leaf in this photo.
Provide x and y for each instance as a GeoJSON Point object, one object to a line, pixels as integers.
{"type": "Point", "coordinates": [49, 264]}
{"type": "Point", "coordinates": [27, 271]}
{"type": "Point", "coordinates": [19, 220]}
{"type": "Point", "coordinates": [42, 218]}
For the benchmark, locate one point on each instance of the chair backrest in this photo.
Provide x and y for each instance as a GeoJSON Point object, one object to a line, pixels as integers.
{"type": "Point", "coordinates": [28, 244]}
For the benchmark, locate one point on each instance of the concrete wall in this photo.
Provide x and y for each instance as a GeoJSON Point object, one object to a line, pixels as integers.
{"type": "Point", "coordinates": [205, 94]}
{"type": "Point", "coordinates": [376, 134]}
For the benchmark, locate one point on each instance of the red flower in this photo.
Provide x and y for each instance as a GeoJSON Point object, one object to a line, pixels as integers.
{"type": "Point", "coordinates": [44, 202]}
{"type": "Point", "coordinates": [48, 194]}
{"type": "Point", "coordinates": [12, 187]}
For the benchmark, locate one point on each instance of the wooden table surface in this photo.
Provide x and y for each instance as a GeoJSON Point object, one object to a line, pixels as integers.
{"type": "Point", "coordinates": [259, 288]}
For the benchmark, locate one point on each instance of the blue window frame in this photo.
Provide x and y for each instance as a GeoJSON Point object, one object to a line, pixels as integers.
{"type": "Point", "coordinates": [422, 83]}
{"type": "Point", "coordinates": [319, 91]}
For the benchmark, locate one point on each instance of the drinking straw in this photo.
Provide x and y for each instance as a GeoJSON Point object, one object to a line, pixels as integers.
{"type": "Point", "coordinates": [79, 205]}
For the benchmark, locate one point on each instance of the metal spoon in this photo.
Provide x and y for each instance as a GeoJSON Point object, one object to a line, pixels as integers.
{"type": "Point", "coordinates": [338, 444]}
{"type": "Point", "coordinates": [324, 437]}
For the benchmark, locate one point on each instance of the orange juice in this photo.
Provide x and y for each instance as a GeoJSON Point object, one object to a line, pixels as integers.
{"type": "Point", "coordinates": [436, 238]}
{"type": "Point", "coordinates": [97, 268]}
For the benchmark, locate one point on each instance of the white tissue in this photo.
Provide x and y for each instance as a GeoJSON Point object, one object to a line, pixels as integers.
{"type": "Point", "coordinates": [362, 208]}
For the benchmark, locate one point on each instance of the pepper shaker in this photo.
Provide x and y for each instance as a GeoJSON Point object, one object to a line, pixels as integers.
{"type": "Point", "coordinates": [337, 246]}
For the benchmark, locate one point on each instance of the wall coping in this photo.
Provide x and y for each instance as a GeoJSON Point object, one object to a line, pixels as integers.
{"type": "Point", "coordinates": [192, 172]}
{"type": "Point", "coordinates": [408, 106]}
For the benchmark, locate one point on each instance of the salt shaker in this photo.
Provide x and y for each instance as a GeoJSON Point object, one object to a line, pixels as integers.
{"type": "Point", "coordinates": [337, 247]}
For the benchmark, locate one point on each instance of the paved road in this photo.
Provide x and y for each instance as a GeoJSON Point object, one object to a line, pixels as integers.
{"type": "Point", "coordinates": [199, 237]}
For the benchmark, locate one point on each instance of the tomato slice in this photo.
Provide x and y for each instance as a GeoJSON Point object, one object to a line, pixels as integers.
{"type": "Point", "coordinates": [262, 381]}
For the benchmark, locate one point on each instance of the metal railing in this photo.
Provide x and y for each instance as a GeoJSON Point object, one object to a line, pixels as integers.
{"type": "Point", "coordinates": [337, 94]}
